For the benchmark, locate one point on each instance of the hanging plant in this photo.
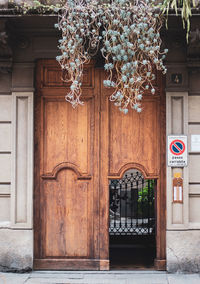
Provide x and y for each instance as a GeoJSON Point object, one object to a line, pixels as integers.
{"type": "Point", "coordinates": [129, 33]}
{"type": "Point", "coordinates": [42, 7]}
{"type": "Point", "coordinates": [185, 7]}
{"type": "Point", "coordinates": [126, 32]}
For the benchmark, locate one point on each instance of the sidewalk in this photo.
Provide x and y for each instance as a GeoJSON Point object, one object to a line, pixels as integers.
{"type": "Point", "coordinates": [101, 277]}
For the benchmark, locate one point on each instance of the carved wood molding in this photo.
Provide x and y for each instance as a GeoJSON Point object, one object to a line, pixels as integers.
{"type": "Point", "coordinates": [129, 166]}
{"type": "Point", "coordinates": [52, 76]}
{"type": "Point", "coordinates": [66, 165]}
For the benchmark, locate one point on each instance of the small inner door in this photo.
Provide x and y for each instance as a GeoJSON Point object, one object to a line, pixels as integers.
{"type": "Point", "coordinates": [132, 223]}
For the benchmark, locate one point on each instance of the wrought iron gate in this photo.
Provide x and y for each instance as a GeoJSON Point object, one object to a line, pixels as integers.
{"type": "Point", "coordinates": [132, 205]}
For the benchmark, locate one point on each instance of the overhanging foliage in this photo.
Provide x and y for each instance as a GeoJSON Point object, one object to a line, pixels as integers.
{"type": "Point", "coordinates": [126, 32]}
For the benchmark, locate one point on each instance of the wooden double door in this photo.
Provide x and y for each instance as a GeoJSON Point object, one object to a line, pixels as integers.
{"type": "Point", "coordinates": [77, 151]}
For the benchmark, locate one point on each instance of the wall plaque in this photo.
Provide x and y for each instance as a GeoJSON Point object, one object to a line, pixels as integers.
{"type": "Point", "coordinates": [195, 143]}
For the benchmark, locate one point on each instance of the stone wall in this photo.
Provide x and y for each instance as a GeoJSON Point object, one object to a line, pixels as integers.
{"type": "Point", "coordinates": [183, 253]}
{"type": "Point", "coordinates": [16, 168]}
{"type": "Point", "coordinates": [30, 42]}
{"type": "Point", "coordinates": [15, 212]}
{"type": "Point", "coordinates": [5, 147]}
{"type": "Point", "coordinates": [183, 117]}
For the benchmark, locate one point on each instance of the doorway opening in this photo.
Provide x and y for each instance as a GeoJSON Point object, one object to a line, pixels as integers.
{"type": "Point", "coordinates": [132, 221]}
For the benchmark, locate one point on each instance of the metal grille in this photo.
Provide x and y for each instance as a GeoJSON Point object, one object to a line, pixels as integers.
{"type": "Point", "coordinates": [132, 205]}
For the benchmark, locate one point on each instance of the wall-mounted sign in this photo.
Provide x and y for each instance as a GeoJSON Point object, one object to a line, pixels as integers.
{"type": "Point", "coordinates": [177, 188]}
{"type": "Point", "coordinates": [195, 143]}
{"type": "Point", "coordinates": [177, 151]}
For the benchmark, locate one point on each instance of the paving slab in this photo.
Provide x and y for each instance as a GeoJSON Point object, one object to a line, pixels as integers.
{"type": "Point", "coordinates": [13, 278]}
{"type": "Point", "coordinates": [57, 274]}
{"type": "Point", "coordinates": [98, 277]}
{"type": "Point", "coordinates": [83, 281]}
{"type": "Point", "coordinates": [183, 278]}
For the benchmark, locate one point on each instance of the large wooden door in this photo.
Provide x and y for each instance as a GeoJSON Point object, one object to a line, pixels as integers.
{"type": "Point", "coordinates": [77, 151]}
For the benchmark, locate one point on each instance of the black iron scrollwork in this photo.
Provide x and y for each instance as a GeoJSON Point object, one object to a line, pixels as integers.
{"type": "Point", "coordinates": [132, 205]}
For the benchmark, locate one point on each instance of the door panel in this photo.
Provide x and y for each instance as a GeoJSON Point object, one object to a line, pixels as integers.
{"type": "Point", "coordinates": [67, 135]}
{"type": "Point", "coordinates": [134, 141]}
{"type": "Point", "coordinates": [67, 225]}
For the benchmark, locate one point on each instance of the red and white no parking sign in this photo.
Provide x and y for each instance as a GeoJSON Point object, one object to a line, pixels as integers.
{"type": "Point", "coordinates": [177, 147]}
{"type": "Point", "coordinates": [177, 151]}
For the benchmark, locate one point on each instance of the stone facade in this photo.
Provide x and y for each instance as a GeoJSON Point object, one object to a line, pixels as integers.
{"type": "Point", "coordinates": [16, 250]}
{"type": "Point", "coordinates": [183, 252]}
{"type": "Point", "coordinates": [183, 117]}
{"type": "Point", "coordinates": [34, 38]}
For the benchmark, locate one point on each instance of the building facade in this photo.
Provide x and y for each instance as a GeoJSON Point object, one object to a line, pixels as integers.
{"type": "Point", "coordinates": [28, 44]}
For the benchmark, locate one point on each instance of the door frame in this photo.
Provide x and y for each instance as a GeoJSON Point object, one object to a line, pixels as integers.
{"type": "Point", "coordinates": [103, 244]}
{"type": "Point", "coordinates": [160, 261]}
